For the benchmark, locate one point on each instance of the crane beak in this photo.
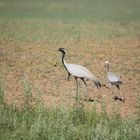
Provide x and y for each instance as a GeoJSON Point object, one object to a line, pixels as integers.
{"type": "Point", "coordinates": [59, 49]}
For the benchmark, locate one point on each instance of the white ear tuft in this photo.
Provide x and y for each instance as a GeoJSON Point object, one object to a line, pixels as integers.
{"type": "Point", "coordinates": [106, 62]}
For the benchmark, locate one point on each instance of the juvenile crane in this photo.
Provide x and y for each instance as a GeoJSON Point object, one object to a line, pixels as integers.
{"type": "Point", "coordinates": [114, 79]}
{"type": "Point", "coordinates": [78, 71]}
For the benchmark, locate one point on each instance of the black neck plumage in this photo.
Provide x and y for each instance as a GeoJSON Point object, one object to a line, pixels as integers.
{"type": "Point", "coordinates": [63, 55]}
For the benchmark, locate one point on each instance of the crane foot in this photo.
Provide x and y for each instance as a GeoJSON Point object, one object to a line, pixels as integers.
{"type": "Point", "coordinates": [91, 100]}
{"type": "Point", "coordinates": [118, 98]}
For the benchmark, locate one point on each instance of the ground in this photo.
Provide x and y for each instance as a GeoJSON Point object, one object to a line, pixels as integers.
{"type": "Point", "coordinates": [41, 68]}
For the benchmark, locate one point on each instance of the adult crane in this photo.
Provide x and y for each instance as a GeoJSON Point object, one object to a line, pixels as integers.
{"type": "Point", "coordinates": [78, 71]}
{"type": "Point", "coordinates": [114, 80]}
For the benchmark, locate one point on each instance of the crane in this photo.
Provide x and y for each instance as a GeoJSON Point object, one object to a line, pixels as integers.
{"type": "Point", "coordinates": [78, 71]}
{"type": "Point", "coordinates": [114, 80]}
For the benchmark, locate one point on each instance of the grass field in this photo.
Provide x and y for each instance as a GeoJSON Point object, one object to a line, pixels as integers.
{"type": "Point", "coordinates": [36, 100]}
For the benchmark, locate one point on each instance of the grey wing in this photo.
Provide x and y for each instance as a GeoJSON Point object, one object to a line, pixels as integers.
{"type": "Point", "coordinates": [113, 77]}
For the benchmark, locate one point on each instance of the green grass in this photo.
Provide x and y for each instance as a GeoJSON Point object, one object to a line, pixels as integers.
{"type": "Point", "coordinates": [74, 9]}
{"type": "Point", "coordinates": [66, 123]}
{"type": "Point", "coordinates": [59, 32]}
{"type": "Point", "coordinates": [57, 21]}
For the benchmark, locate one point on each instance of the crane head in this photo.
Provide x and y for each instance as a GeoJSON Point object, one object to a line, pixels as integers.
{"type": "Point", "coordinates": [106, 64]}
{"type": "Point", "coordinates": [61, 50]}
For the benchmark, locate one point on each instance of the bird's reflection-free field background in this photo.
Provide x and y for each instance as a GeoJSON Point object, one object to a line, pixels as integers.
{"type": "Point", "coordinates": [91, 31]}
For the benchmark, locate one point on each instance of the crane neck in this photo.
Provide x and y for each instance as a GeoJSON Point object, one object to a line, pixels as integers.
{"type": "Point", "coordinates": [108, 68]}
{"type": "Point", "coordinates": [63, 61]}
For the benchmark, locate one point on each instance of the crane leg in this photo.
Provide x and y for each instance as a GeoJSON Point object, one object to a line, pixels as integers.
{"type": "Point", "coordinates": [118, 86]}
{"type": "Point", "coordinates": [120, 95]}
{"type": "Point", "coordinates": [68, 76]}
{"type": "Point", "coordinates": [122, 99]}
{"type": "Point", "coordinates": [99, 95]}
{"type": "Point", "coordinates": [77, 88]}
{"type": "Point", "coordinates": [85, 93]}
{"type": "Point", "coordinates": [113, 90]}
